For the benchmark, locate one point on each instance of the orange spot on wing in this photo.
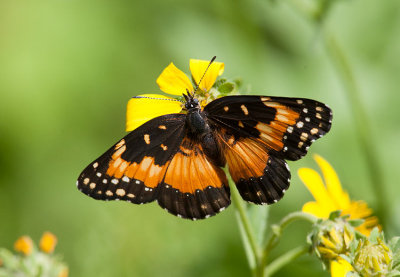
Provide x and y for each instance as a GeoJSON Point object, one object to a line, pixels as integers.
{"type": "Point", "coordinates": [146, 170]}
{"type": "Point", "coordinates": [246, 158]}
{"type": "Point", "coordinates": [272, 133]}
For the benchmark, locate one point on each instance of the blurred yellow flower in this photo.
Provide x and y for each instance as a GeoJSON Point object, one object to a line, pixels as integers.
{"type": "Point", "coordinates": [332, 197]}
{"type": "Point", "coordinates": [145, 107]}
{"type": "Point", "coordinates": [340, 268]}
{"type": "Point", "coordinates": [48, 242]}
{"type": "Point", "coordinates": [24, 245]}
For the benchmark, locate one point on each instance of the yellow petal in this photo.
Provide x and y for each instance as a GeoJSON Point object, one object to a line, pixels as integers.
{"type": "Point", "coordinates": [145, 107]}
{"type": "Point", "coordinates": [199, 67]}
{"type": "Point", "coordinates": [174, 81]}
{"type": "Point", "coordinates": [333, 183]}
{"type": "Point", "coordinates": [314, 184]}
{"type": "Point", "coordinates": [48, 242]}
{"type": "Point", "coordinates": [340, 268]}
{"type": "Point", "coordinates": [315, 209]}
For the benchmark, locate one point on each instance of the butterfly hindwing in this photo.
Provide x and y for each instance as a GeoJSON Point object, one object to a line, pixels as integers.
{"type": "Point", "coordinates": [260, 177]}
{"type": "Point", "coordinates": [193, 187]}
{"type": "Point", "coordinates": [133, 168]}
{"type": "Point", "coordinates": [259, 133]}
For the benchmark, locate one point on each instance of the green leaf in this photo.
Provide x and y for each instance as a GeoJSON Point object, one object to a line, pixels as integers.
{"type": "Point", "coordinates": [334, 215]}
{"type": "Point", "coordinates": [247, 247]}
{"type": "Point", "coordinates": [346, 258]}
{"type": "Point", "coordinates": [375, 234]}
{"type": "Point", "coordinates": [394, 273]}
{"type": "Point", "coordinates": [9, 259]}
{"type": "Point", "coordinates": [226, 88]}
{"type": "Point", "coordinates": [356, 222]}
{"type": "Point", "coordinates": [354, 245]}
{"type": "Point", "coordinates": [394, 244]}
{"type": "Point", "coordinates": [258, 216]}
{"type": "Point", "coordinates": [238, 82]}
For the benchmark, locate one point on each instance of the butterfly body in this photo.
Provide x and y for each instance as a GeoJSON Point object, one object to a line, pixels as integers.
{"type": "Point", "coordinates": [177, 159]}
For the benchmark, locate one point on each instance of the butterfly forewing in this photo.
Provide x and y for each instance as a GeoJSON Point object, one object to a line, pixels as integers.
{"type": "Point", "coordinates": [259, 133]}
{"type": "Point", "coordinates": [133, 168]}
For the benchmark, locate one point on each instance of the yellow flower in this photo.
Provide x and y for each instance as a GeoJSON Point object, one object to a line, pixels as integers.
{"type": "Point", "coordinates": [333, 239]}
{"type": "Point", "coordinates": [48, 242]}
{"type": "Point", "coordinates": [145, 107]}
{"type": "Point", "coordinates": [332, 197]}
{"type": "Point", "coordinates": [24, 245]}
{"type": "Point", "coordinates": [373, 259]}
{"type": "Point", "coordinates": [340, 268]}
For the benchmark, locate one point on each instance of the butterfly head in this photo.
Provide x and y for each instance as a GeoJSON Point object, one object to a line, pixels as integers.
{"type": "Point", "coordinates": [191, 102]}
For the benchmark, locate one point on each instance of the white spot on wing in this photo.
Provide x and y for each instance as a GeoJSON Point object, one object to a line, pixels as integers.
{"type": "Point", "coordinates": [120, 192]}
{"type": "Point", "coordinates": [313, 131]}
{"type": "Point", "coordinates": [300, 124]}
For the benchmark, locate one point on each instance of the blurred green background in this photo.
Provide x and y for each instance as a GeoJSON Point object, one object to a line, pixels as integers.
{"type": "Point", "coordinates": [68, 68]}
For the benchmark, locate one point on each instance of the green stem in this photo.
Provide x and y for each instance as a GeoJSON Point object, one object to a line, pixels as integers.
{"type": "Point", "coordinates": [273, 240]}
{"type": "Point", "coordinates": [248, 233]}
{"type": "Point", "coordinates": [285, 259]}
{"type": "Point", "coordinates": [363, 131]}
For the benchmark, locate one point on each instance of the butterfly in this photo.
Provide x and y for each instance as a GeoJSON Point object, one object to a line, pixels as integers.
{"type": "Point", "coordinates": [177, 159]}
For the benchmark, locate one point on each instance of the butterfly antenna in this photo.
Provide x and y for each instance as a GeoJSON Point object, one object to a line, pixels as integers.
{"type": "Point", "coordinates": [156, 98]}
{"type": "Point", "coordinates": [204, 74]}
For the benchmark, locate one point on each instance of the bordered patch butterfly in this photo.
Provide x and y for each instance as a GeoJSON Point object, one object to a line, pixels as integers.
{"type": "Point", "coordinates": [177, 159]}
